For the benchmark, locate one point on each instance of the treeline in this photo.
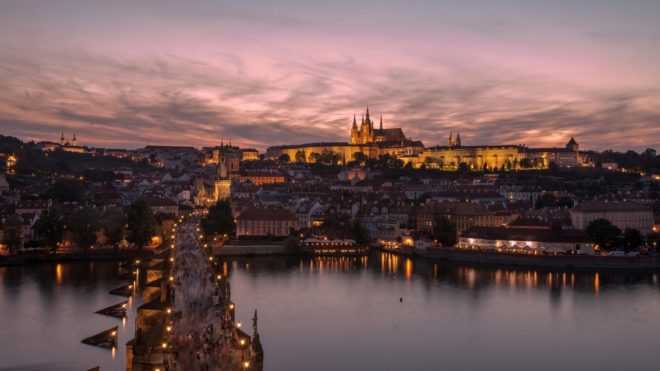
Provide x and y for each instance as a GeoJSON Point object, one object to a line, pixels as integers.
{"type": "Point", "coordinates": [647, 161]}
{"type": "Point", "coordinates": [32, 160]}
{"type": "Point", "coordinates": [82, 227]}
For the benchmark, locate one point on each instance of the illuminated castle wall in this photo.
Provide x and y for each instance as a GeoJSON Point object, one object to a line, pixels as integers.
{"type": "Point", "coordinates": [372, 142]}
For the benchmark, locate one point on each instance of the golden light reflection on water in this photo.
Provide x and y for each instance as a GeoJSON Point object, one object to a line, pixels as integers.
{"type": "Point", "coordinates": [58, 274]}
{"type": "Point", "coordinates": [469, 277]}
{"type": "Point", "coordinates": [409, 269]}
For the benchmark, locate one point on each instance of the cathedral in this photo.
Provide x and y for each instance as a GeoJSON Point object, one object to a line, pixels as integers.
{"type": "Point", "coordinates": [367, 134]}
{"type": "Point", "coordinates": [367, 140]}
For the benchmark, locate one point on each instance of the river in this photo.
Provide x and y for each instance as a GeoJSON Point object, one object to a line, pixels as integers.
{"type": "Point", "coordinates": [381, 312]}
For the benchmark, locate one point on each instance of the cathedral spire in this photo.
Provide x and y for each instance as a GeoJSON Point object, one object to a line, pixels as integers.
{"type": "Point", "coordinates": [368, 120]}
{"type": "Point", "coordinates": [451, 139]}
{"type": "Point", "coordinates": [354, 122]}
{"type": "Point", "coordinates": [458, 139]}
{"type": "Point", "coordinates": [381, 122]}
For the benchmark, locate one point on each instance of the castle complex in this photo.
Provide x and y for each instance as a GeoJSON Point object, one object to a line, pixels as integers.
{"type": "Point", "coordinates": [369, 142]}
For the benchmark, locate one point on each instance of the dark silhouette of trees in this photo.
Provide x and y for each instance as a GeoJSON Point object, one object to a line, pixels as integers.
{"type": "Point", "coordinates": [113, 222]}
{"type": "Point", "coordinates": [141, 223]}
{"type": "Point", "coordinates": [360, 232]}
{"type": "Point", "coordinates": [632, 239]}
{"type": "Point", "coordinates": [66, 190]}
{"type": "Point", "coordinates": [443, 230]}
{"type": "Point", "coordinates": [219, 220]}
{"type": "Point", "coordinates": [604, 233]}
{"type": "Point", "coordinates": [12, 235]}
{"type": "Point", "coordinates": [300, 156]}
{"type": "Point", "coordinates": [49, 228]}
{"type": "Point", "coordinates": [83, 225]}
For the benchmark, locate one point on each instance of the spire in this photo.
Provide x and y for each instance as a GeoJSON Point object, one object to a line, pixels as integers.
{"type": "Point", "coordinates": [368, 114]}
{"type": "Point", "coordinates": [62, 140]}
{"type": "Point", "coordinates": [381, 122]}
{"type": "Point", "coordinates": [222, 142]}
{"type": "Point", "coordinates": [451, 139]}
{"type": "Point", "coordinates": [354, 122]}
{"type": "Point", "coordinates": [73, 141]}
{"type": "Point", "coordinates": [254, 321]}
{"type": "Point", "coordinates": [458, 139]}
{"type": "Point", "coordinates": [362, 120]}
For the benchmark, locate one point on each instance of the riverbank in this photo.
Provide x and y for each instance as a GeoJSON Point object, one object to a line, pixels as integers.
{"type": "Point", "coordinates": [30, 258]}
{"type": "Point", "coordinates": [568, 262]}
{"type": "Point", "coordinates": [256, 249]}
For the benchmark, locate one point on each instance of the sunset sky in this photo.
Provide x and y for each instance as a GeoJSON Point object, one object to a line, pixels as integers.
{"type": "Point", "coordinates": [129, 73]}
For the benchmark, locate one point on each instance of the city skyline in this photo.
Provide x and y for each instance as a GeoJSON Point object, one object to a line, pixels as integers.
{"type": "Point", "coordinates": [127, 74]}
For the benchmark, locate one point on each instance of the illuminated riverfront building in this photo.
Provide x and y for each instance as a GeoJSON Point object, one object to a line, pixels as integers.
{"type": "Point", "coordinates": [371, 142]}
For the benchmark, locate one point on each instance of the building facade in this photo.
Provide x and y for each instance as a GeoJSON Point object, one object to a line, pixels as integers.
{"type": "Point", "coordinates": [623, 214]}
{"type": "Point", "coordinates": [266, 222]}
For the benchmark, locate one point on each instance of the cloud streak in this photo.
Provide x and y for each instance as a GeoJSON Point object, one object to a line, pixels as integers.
{"type": "Point", "coordinates": [297, 82]}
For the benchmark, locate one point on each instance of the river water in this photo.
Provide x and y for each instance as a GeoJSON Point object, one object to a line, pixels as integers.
{"type": "Point", "coordinates": [347, 314]}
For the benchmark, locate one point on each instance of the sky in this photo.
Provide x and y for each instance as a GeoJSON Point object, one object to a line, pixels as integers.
{"type": "Point", "coordinates": [124, 74]}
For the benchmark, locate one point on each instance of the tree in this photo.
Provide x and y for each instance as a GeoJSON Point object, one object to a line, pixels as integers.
{"type": "Point", "coordinates": [603, 233]}
{"type": "Point", "coordinates": [525, 163]}
{"type": "Point", "coordinates": [50, 227]}
{"type": "Point", "coordinates": [300, 156]}
{"type": "Point", "coordinates": [141, 223]}
{"type": "Point", "coordinates": [113, 221]}
{"type": "Point", "coordinates": [565, 201]}
{"type": "Point", "coordinates": [546, 200]}
{"type": "Point", "coordinates": [632, 239]}
{"type": "Point", "coordinates": [83, 225]}
{"type": "Point", "coordinates": [361, 234]}
{"type": "Point", "coordinates": [284, 158]}
{"type": "Point", "coordinates": [443, 230]}
{"type": "Point", "coordinates": [359, 157]}
{"type": "Point", "coordinates": [67, 190]}
{"type": "Point", "coordinates": [219, 219]}
{"type": "Point", "coordinates": [463, 168]}
{"type": "Point", "coordinates": [12, 235]}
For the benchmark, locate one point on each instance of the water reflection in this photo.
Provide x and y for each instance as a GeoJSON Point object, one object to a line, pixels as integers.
{"type": "Point", "coordinates": [47, 309]}
{"type": "Point", "coordinates": [469, 278]}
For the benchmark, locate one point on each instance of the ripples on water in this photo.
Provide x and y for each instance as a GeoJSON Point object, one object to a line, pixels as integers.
{"type": "Point", "coordinates": [345, 313]}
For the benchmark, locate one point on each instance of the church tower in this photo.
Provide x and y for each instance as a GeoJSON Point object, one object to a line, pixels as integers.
{"type": "Point", "coordinates": [222, 185]}
{"type": "Point", "coordinates": [572, 145]}
{"type": "Point", "coordinates": [355, 134]}
{"type": "Point", "coordinates": [74, 142]}
{"type": "Point", "coordinates": [367, 129]}
{"type": "Point", "coordinates": [62, 140]}
{"type": "Point", "coordinates": [457, 141]}
{"type": "Point", "coordinates": [451, 139]}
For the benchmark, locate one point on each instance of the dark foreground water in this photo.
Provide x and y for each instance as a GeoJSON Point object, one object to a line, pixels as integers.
{"type": "Point", "coordinates": [346, 314]}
